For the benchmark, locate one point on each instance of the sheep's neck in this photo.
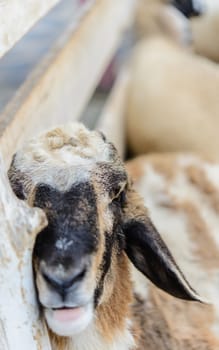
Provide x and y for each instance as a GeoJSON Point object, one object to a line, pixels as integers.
{"type": "Point", "coordinates": [112, 328]}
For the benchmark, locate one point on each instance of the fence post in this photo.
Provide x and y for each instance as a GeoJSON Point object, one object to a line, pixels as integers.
{"type": "Point", "coordinates": [20, 324]}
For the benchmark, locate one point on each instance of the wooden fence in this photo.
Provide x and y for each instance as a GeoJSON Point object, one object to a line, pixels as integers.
{"type": "Point", "coordinates": [56, 91]}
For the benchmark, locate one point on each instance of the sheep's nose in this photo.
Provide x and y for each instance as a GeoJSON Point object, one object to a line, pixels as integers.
{"type": "Point", "coordinates": [62, 283]}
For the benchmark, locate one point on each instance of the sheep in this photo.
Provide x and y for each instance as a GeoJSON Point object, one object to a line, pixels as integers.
{"type": "Point", "coordinates": [99, 234]}
{"type": "Point", "coordinates": [181, 192]}
{"type": "Point", "coordinates": [199, 33]}
{"type": "Point", "coordinates": [159, 18]}
{"type": "Point", "coordinates": [172, 100]}
{"type": "Point", "coordinates": [204, 32]}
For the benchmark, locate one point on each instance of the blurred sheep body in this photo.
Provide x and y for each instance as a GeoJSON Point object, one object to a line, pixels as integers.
{"type": "Point", "coordinates": [169, 19]}
{"type": "Point", "coordinates": [160, 18]}
{"type": "Point", "coordinates": [97, 224]}
{"type": "Point", "coordinates": [172, 102]}
{"type": "Point", "coordinates": [205, 31]}
{"type": "Point", "coordinates": [182, 194]}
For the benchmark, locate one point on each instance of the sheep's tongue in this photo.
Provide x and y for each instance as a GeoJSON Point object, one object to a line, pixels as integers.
{"type": "Point", "coordinates": [66, 315]}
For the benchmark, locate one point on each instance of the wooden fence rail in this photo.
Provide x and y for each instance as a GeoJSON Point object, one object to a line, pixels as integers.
{"type": "Point", "coordinates": [17, 17]}
{"type": "Point", "coordinates": [20, 326]}
{"type": "Point", "coordinates": [59, 88]}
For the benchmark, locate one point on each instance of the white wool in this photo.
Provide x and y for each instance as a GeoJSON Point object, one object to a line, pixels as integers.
{"type": "Point", "coordinates": [91, 339]}
{"type": "Point", "coordinates": [70, 152]}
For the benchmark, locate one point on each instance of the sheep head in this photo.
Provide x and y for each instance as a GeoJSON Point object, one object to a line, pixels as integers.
{"type": "Point", "coordinates": [95, 219]}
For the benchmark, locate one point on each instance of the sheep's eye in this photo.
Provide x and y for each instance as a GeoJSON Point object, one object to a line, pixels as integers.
{"type": "Point", "coordinates": [119, 196]}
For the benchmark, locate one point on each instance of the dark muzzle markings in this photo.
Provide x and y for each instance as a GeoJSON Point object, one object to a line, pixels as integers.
{"type": "Point", "coordinates": [64, 248]}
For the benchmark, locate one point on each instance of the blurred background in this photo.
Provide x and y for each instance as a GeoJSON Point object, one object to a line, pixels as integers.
{"type": "Point", "coordinates": [170, 51]}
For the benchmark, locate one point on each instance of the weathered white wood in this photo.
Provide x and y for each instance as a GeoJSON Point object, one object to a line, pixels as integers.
{"type": "Point", "coordinates": [17, 17]}
{"type": "Point", "coordinates": [112, 120]}
{"type": "Point", "coordinates": [58, 90]}
{"type": "Point", "coordinates": [20, 325]}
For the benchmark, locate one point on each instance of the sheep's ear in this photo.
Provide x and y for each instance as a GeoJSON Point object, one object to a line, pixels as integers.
{"type": "Point", "coordinates": [149, 254]}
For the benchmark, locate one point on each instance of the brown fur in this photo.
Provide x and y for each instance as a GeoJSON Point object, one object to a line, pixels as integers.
{"type": "Point", "coordinates": [160, 164]}
{"type": "Point", "coordinates": [199, 231]}
{"type": "Point", "coordinates": [59, 342]}
{"type": "Point", "coordinates": [136, 168]}
{"type": "Point", "coordinates": [198, 178]}
{"type": "Point", "coordinates": [174, 324]}
{"type": "Point", "coordinates": [108, 321]}
{"type": "Point", "coordinates": [171, 324]}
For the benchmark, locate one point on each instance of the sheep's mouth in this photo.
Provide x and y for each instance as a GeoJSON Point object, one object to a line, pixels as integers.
{"type": "Point", "coordinates": [66, 321]}
{"type": "Point", "coordinates": [67, 314]}
{"type": "Point", "coordinates": [65, 308]}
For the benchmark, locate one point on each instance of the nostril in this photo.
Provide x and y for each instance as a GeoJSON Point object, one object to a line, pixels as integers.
{"type": "Point", "coordinates": [79, 276]}
{"type": "Point", "coordinates": [64, 282]}
{"type": "Point", "coordinates": [51, 280]}
{"type": "Point", "coordinates": [76, 278]}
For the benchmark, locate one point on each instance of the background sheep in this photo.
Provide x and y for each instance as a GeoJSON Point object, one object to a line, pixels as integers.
{"type": "Point", "coordinates": [172, 101]}
{"type": "Point", "coordinates": [182, 194]}
{"type": "Point", "coordinates": [157, 17]}
{"type": "Point", "coordinates": [160, 18]}
{"type": "Point", "coordinates": [205, 31]}
{"type": "Point", "coordinates": [96, 223]}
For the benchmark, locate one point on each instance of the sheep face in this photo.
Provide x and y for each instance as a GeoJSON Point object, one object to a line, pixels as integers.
{"type": "Point", "coordinates": [95, 220]}
{"type": "Point", "coordinates": [79, 181]}
{"type": "Point", "coordinates": [83, 235]}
